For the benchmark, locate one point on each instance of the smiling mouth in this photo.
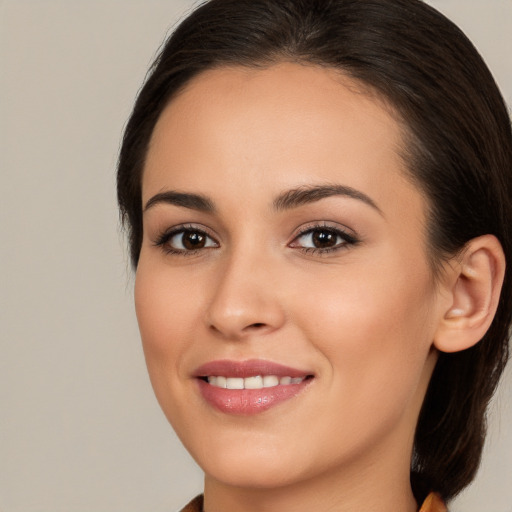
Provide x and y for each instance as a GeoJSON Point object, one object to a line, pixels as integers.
{"type": "Point", "coordinates": [255, 382]}
{"type": "Point", "coordinates": [249, 387]}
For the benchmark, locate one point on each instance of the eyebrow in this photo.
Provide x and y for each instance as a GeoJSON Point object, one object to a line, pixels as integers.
{"type": "Point", "coordinates": [185, 200]}
{"type": "Point", "coordinates": [286, 201]}
{"type": "Point", "coordinates": [311, 193]}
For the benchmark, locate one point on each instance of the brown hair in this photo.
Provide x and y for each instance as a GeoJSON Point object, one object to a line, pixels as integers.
{"type": "Point", "coordinates": [458, 149]}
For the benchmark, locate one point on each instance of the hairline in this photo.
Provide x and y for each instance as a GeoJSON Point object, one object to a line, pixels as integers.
{"type": "Point", "coordinates": [408, 143]}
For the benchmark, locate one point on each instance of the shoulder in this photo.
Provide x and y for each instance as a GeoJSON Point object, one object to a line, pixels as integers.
{"type": "Point", "coordinates": [196, 505]}
{"type": "Point", "coordinates": [433, 503]}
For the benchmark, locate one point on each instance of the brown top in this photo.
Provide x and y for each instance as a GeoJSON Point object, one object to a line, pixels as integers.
{"type": "Point", "coordinates": [433, 503]}
{"type": "Point", "coordinates": [196, 505]}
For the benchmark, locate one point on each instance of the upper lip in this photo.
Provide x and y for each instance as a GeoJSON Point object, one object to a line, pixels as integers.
{"type": "Point", "coordinates": [248, 368]}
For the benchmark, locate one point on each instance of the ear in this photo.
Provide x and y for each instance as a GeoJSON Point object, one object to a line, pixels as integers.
{"type": "Point", "coordinates": [475, 279]}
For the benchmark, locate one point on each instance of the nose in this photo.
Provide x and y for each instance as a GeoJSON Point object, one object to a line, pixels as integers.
{"type": "Point", "coordinates": [246, 300]}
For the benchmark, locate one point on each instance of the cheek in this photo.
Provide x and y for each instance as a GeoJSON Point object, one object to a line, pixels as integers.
{"type": "Point", "coordinates": [375, 330]}
{"type": "Point", "coordinates": [166, 307]}
{"type": "Point", "coordinates": [167, 311]}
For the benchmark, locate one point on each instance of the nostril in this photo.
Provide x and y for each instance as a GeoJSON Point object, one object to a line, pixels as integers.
{"type": "Point", "coordinates": [256, 325]}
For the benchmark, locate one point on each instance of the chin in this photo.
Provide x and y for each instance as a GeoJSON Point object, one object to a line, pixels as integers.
{"type": "Point", "coordinates": [247, 471]}
{"type": "Point", "coordinates": [248, 462]}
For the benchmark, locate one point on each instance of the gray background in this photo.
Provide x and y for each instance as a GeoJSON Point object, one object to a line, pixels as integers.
{"type": "Point", "coordinates": [80, 430]}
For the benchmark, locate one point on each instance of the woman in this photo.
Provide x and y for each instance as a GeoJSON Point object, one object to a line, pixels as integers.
{"type": "Point", "coordinates": [317, 194]}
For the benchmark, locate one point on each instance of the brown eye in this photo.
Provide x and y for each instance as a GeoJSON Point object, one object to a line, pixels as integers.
{"type": "Point", "coordinates": [192, 240]}
{"type": "Point", "coordinates": [189, 240]}
{"type": "Point", "coordinates": [323, 239]}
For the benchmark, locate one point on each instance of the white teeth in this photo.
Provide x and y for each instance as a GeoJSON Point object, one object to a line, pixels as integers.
{"type": "Point", "coordinates": [256, 382]}
{"type": "Point", "coordinates": [269, 381]}
{"type": "Point", "coordinates": [221, 382]}
{"type": "Point", "coordinates": [253, 382]}
{"type": "Point", "coordinates": [235, 383]}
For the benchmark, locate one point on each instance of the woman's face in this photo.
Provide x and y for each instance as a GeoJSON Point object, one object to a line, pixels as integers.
{"type": "Point", "coordinates": [282, 241]}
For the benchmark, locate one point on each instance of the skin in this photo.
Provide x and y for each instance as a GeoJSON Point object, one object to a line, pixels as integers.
{"type": "Point", "coordinates": [361, 318]}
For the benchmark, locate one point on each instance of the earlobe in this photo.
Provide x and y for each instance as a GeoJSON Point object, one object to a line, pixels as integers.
{"type": "Point", "coordinates": [476, 280]}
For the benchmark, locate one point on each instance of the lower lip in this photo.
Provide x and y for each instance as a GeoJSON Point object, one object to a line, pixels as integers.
{"type": "Point", "coordinates": [249, 401]}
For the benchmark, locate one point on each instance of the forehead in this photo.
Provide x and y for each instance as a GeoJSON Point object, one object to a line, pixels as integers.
{"type": "Point", "coordinates": [281, 126]}
{"type": "Point", "coordinates": [289, 91]}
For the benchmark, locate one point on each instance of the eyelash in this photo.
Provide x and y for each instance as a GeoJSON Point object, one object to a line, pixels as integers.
{"type": "Point", "coordinates": [347, 239]}
{"type": "Point", "coordinates": [166, 236]}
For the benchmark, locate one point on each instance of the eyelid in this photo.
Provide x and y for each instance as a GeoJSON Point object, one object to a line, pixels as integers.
{"type": "Point", "coordinates": [167, 234]}
{"type": "Point", "coordinates": [323, 224]}
{"type": "Point", "coordinates": [349, 236]}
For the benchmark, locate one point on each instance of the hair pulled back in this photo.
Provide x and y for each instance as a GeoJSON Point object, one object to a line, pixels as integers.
{"type": "Point", "coordinates": [458, 150]}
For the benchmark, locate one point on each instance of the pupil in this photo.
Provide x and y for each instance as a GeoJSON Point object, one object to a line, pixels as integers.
{"type": "Point", "coordinates": [192, 240]}
{"type": "Point", "coordinates": [323, 239]}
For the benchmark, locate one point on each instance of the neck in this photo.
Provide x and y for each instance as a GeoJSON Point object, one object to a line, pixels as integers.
{"type": "Point", "coordinates": [377, 479]}
{"type": "Point", "coordinates": [373, 487]}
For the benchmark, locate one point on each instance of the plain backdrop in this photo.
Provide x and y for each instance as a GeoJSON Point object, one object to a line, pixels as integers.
{"type": "Point", "coordinates": [80, 430]}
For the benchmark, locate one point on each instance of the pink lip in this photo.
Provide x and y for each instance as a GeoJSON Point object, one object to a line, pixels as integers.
{"type": "Point", "coordinates": [248, 401]}
{"type": "Point", "coordinates": [248, 368]}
